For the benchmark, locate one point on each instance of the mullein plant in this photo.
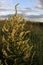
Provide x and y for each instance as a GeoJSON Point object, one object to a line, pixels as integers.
{"type": "Point", "coordinates": [17, 47]}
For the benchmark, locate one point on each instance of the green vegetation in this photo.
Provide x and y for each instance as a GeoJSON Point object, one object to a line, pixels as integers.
{"type": "Point", "coordinates": [20, 42]}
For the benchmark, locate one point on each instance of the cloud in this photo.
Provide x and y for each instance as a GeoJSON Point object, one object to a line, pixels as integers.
{"type": "Point", "coordinates": [1, 2]}
{"type": "Point", "coordinates": [26, 10]}
{"type": "Point", "coordinates": [39, 7]}
{"type": "Point", "coordinates": [2, 13]}
{"type": "Point", "coordinates": [41, 2]}
{"type": "Point", "coordinates": [6, 5]}
{"type": "Point", "coordinates": [5, 9]}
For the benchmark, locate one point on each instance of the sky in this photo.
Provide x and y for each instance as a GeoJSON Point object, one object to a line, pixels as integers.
{"type": "Point", "coordinates": [26, 7]}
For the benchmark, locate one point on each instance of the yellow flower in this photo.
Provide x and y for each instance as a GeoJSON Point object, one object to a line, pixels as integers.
{"type": "Point", "coordinates": [23, 26]}
{"type": "Point", "coordinates": [21, 34]}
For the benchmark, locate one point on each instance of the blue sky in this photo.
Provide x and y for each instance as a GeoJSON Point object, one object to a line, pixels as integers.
{"type": "Point", "coordinates": [27, 7]}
